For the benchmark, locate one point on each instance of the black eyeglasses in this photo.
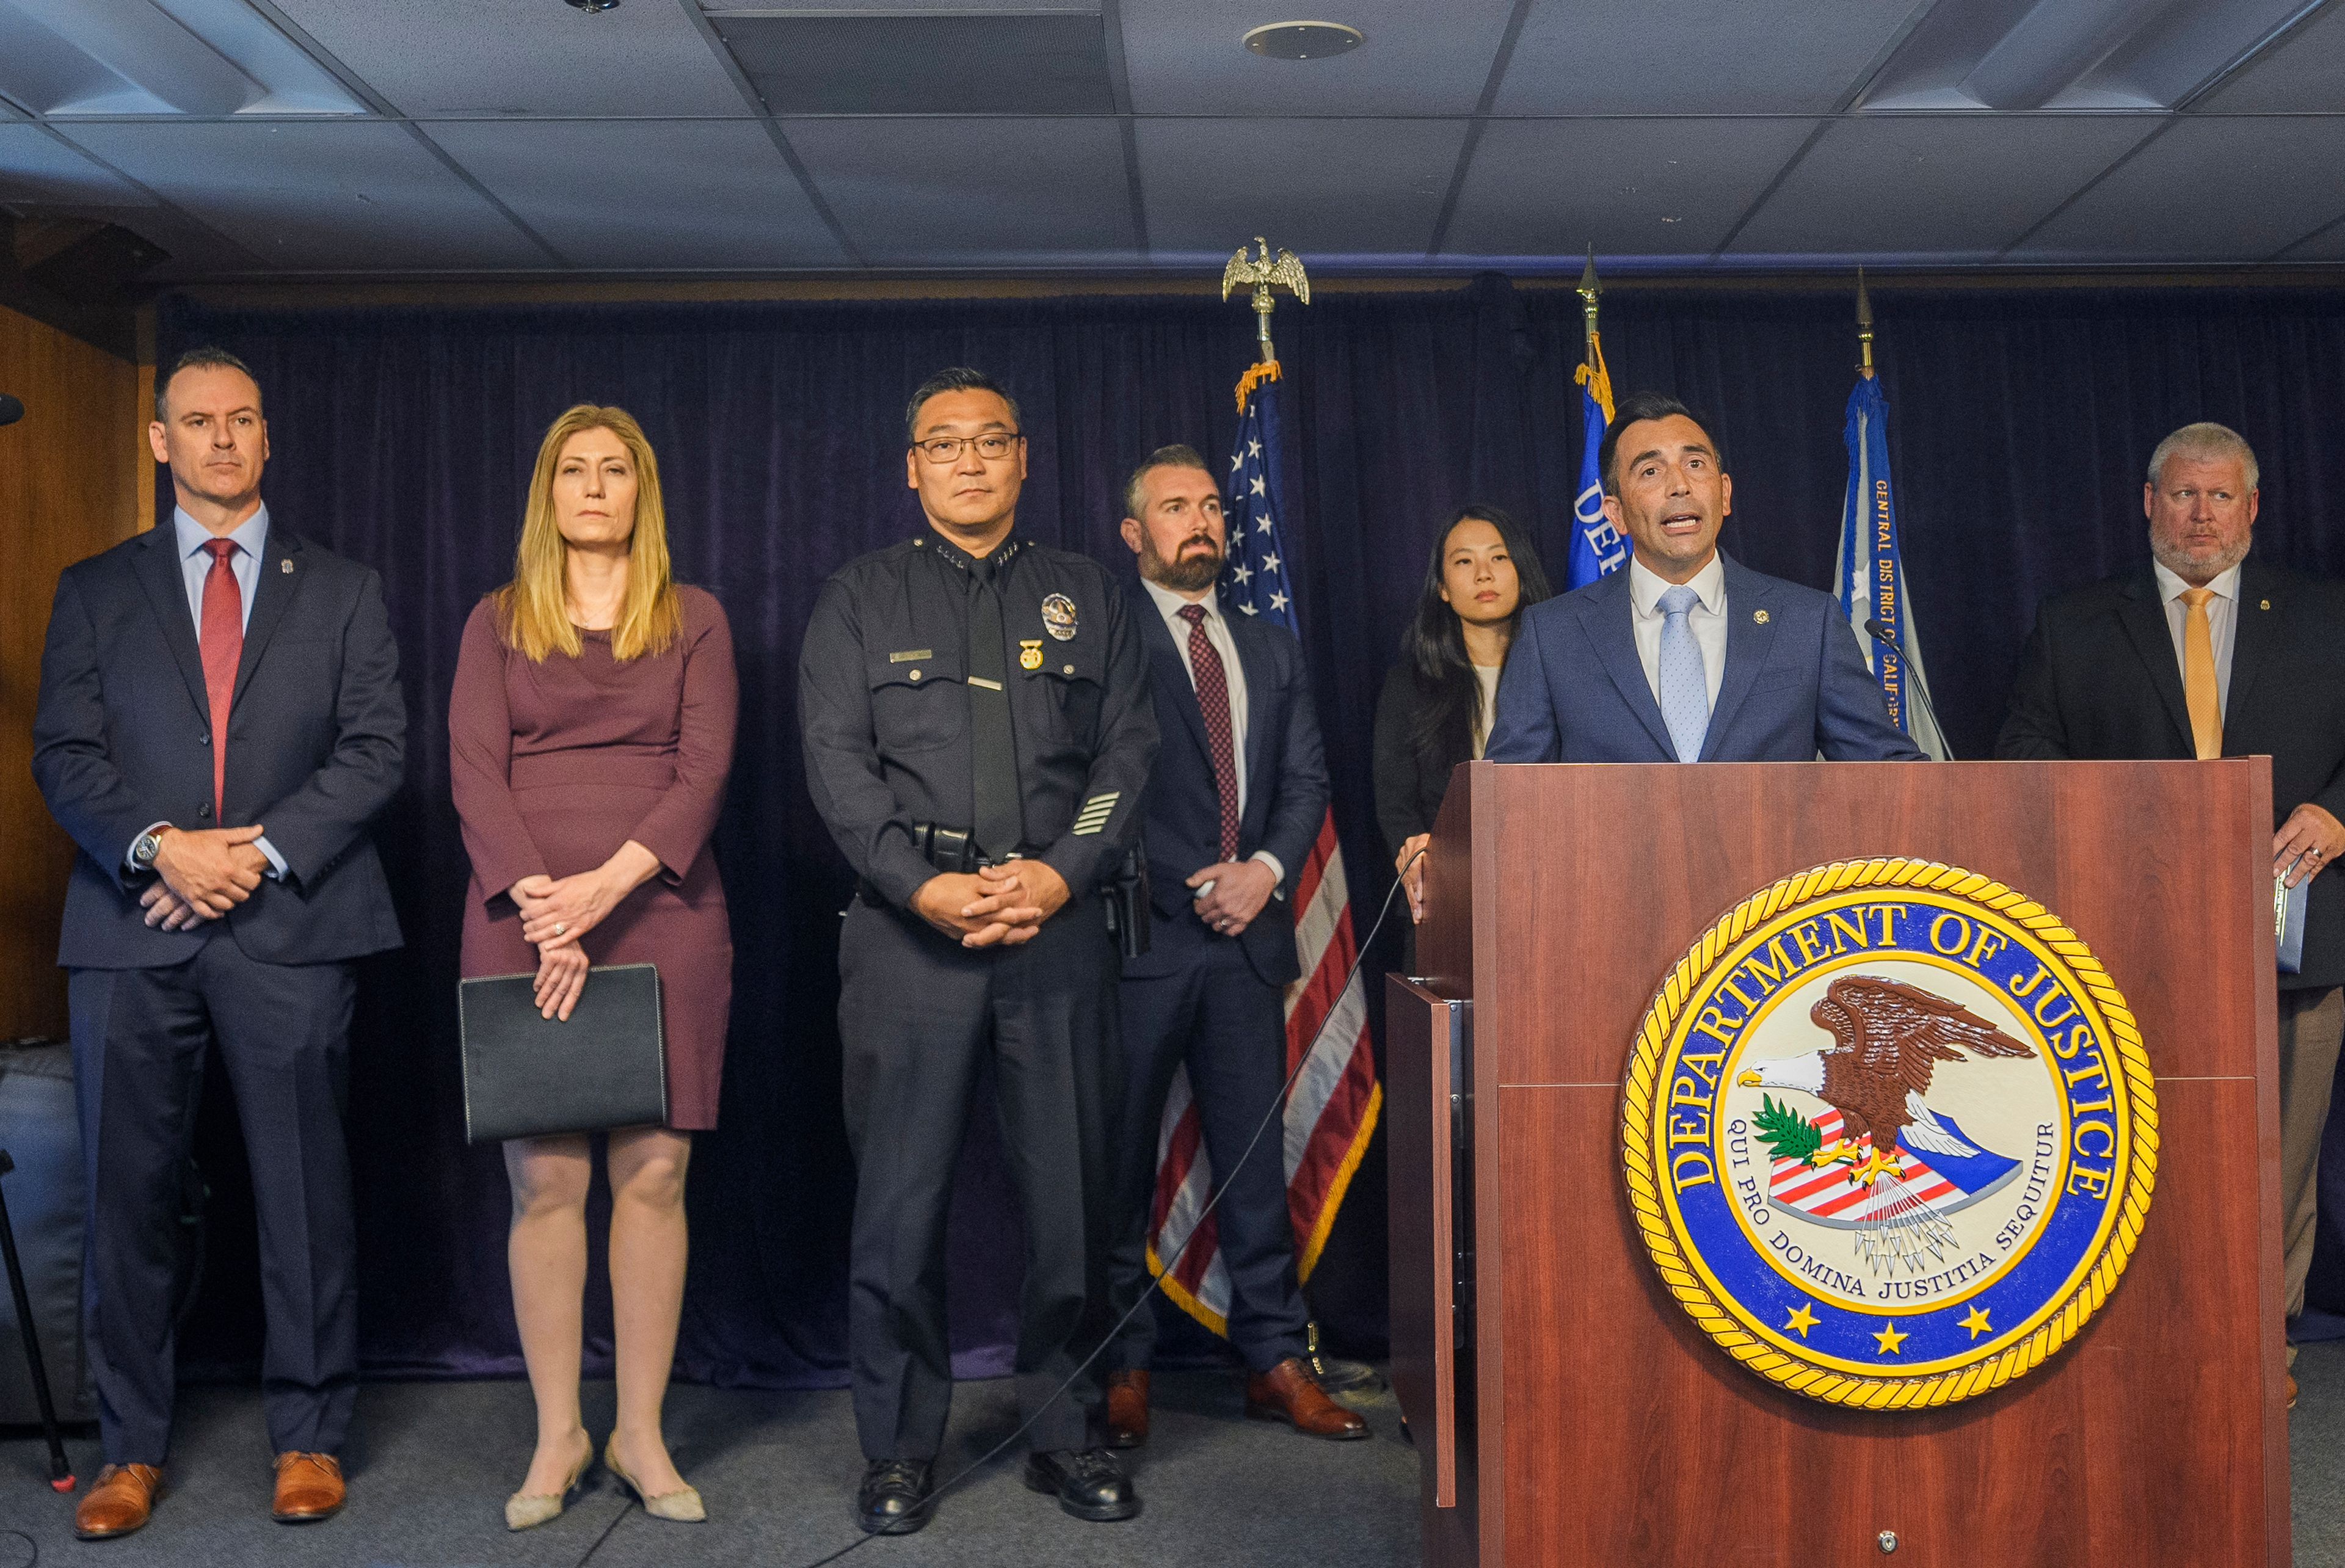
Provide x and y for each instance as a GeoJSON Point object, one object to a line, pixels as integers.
{"type": "Point", "coordinates": [992, 446]}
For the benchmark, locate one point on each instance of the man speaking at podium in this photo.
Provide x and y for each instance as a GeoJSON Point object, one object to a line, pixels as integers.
{"type": "Point", "coordinates": [1687, 655]}
{"type": "Point", "coordinates": [2207, 653]}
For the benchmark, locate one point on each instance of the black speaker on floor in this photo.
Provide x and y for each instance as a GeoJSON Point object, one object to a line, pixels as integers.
{"type": "Point", "coordinates": [38, 1128]}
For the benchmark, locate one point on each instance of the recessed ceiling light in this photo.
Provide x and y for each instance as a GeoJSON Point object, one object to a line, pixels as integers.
{"type": "Point", "coordinates": [1297, 40]}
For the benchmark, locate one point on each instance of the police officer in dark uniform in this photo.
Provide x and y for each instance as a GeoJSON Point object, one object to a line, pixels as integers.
{"type": "Point", "coordinates": [978, 733]}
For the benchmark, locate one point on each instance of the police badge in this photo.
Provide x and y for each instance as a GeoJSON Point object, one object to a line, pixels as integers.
{"type": "Point", "coordinates": [1889, 1133]}
{"type": "Point", "coordinates": [1059, 617]}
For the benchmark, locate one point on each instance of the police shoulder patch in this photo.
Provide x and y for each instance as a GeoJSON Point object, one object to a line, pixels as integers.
{"type": "Point", "coordinates": [1889, 1133]}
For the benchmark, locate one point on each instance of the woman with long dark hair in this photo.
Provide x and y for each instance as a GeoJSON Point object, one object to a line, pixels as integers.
{"type": "Point", "coordinates": [1439, 700]}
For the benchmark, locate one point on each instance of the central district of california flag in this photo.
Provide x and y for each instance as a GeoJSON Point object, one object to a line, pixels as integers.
{"type": "Point", "coordinates": [1889, 1133]}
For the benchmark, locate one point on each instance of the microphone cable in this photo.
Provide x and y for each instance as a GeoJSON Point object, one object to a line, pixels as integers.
{"type": "Point", "coordinates": [1156, 1281]}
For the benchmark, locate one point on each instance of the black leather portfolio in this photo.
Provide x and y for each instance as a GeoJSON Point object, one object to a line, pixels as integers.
{"type": "Point", "coordinates": [527, 1075]}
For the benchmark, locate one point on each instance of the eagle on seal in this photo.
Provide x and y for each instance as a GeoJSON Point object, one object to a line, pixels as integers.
{"type": "Point", "coordinates": [1890, 1037]}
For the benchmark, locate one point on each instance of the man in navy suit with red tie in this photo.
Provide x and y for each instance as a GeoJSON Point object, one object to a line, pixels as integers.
{"type": "Point", "coordinates": [219, 720]}
{"type": "Point", "coordinates": [1231, 810]}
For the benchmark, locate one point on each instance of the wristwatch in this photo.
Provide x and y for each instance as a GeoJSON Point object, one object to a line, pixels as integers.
{"type": "Point", "coordinates": [143, 852]}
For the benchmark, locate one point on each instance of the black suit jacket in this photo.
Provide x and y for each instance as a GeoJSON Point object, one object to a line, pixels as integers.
{"type": "Point", "coordinates": [1410, 781]}
{"type": "Point", "coordinates": [315, 747]}
{"type": "Point", "coordinates": [2099, 680]}
{"type": "Point", "coordinates": [1286, 792]}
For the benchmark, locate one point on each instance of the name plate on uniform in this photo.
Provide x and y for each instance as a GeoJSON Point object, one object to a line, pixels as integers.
{"type": "Point", "coordinates": [1889, 1133]}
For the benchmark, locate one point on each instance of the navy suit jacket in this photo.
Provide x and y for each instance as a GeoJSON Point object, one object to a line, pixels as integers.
{"type": "Point", "coordinates": [1286, 792]}
{"type": "Point", "coordinates": [316, 742]}
{"type": "Point", "coordinates": [1795, 683]}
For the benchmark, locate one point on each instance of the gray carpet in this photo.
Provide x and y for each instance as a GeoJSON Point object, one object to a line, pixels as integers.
{"type": "Point", "coordinates": [434, 1462]}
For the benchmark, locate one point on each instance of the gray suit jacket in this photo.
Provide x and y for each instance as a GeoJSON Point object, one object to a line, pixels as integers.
{"type": "Point", "coordinates": [1795, 683]}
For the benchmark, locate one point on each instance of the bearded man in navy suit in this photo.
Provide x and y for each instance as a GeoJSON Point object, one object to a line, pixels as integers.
{"type": "Point", "coordinates": [1687, 655]}
{"type": "Point", "coordinates": [1231, 810]}
{"type": "Point", "coordinates": [219, 720]}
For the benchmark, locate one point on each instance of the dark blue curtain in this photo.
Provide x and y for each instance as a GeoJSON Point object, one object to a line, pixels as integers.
{"type": "Point", "coordinates": [2020, 420]}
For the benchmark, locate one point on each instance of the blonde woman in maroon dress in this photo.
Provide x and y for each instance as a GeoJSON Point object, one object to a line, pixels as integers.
{"type": "Point", "coordinates": [590, 732]}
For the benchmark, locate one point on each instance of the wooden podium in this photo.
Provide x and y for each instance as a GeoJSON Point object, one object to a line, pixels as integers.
{"type": "Point", "coordinates": [1568, 1412]}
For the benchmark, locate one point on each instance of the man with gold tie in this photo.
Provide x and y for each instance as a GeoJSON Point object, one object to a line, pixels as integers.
{"type": "Point", "coordinates": [2210, 654]}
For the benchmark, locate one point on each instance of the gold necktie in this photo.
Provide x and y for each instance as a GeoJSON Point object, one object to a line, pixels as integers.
{"type": "Point", "coordinates": [2198, 688]}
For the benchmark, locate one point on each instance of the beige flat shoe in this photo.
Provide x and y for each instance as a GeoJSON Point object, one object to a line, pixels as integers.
{"type": "Point", "coordinates": [528, 1510]}
{"type": "Point", "coordinates": [681, 1506]}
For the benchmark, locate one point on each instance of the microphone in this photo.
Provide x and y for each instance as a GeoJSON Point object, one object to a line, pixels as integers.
{"type": "Point", "coordinates": [11, 411]}
{"type": "Point", "coordinates": [1880, 633]}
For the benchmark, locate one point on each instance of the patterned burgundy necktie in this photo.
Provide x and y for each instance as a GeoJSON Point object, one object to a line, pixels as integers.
{"type": "Point", "coordinates": [1214, 702]}
{"type": "Point", "coordinates": [222, 641]}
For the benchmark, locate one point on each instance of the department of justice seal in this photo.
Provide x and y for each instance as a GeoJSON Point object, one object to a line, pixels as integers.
{"type": "Point", "coordinates": [1889, 1133]}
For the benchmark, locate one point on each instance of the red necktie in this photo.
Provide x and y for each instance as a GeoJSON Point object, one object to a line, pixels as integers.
{"type": "Point", "coordinates": [1214, 700]}
{"type": "Point", "coordinates": [221, 637]}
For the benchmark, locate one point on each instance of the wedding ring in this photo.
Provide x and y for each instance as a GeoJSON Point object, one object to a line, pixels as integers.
{"type": "Point", "coordinates": [560, 929]}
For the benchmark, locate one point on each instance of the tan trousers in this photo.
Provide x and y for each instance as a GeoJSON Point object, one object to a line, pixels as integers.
{"type": "Point", "coordinates": [2311, 1024]}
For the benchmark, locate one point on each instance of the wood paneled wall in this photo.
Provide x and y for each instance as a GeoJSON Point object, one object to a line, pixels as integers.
{"type": "Point", "coordinates": [74, 477]}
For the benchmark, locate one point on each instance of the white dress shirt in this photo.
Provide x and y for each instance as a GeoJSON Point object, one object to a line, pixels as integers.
{"type": "Point", "coordinates": [2222, 624]}
{"type": "Point", "coordinates": [1706, 621]}
{"type": "Point", "coordinates": [1170, 604]}
{"type": "Point", "coordinates": [189, 537]}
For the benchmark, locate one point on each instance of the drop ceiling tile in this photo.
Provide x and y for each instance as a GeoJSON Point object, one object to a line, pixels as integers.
{"type": "Point", "coordinates": [1186, 57]}
{"type": "Point", "coordinates": [1317, 187]}
{"type": "Point", "coordinates": [35, 167]}
{"type": "Point", "coordinates": [2304, 73]}
{"type": "Point", "coordinates": [1629, 187]}
{"type": "Point", "coordinates": [318, 195]}
{"type": "Point", "coordinates": [2208, 189]}
{"type": "Point", "coordinates": [1696, 57]}
{"type": "Point", "coordinates": [649, 195]}
{"type": "Point", "coordinates": [977, 192]}
{"type": "Point", "coordinates": [523, 57]}
{"type": "Point", "coordinates": [1959, 186]}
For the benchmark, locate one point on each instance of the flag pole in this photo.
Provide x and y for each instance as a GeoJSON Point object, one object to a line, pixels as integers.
{"type": "Point", "coordinates": [1589, 289]}
{"type": "Point", "coordinates": [1863, 327]}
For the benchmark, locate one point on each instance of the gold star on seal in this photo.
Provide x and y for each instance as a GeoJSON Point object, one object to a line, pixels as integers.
{"type": "Point", "coordinates": [1889, 1339]}
{"type": "Point", "coordinates": [1976, 1323]}
{"type": "Point", "coordinates": [1801, 1320]}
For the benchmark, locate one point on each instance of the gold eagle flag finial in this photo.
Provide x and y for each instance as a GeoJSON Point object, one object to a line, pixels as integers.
{"type": "Point", "coordinates": [1261, 272]}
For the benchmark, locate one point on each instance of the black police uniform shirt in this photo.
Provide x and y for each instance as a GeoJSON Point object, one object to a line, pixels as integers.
{"type": "Point", "coordinates": [883, 706]}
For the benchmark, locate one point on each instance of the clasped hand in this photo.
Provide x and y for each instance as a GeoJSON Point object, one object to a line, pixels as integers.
{"type": "Point", "coordinates": [1001, 906]}
{"type": "Point", "coordinates": [201, 875]}
{"type": "Point", "coordinates": [1240, 887]}
{"type": "Point", "coordinates": [555, 912]}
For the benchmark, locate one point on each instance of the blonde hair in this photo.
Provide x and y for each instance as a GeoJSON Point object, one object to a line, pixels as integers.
{"type": "Point", "coordinates": [533, 609]}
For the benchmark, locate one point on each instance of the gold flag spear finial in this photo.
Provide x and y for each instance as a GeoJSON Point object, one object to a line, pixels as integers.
{"type": "Point", "coordinates": [1262, 272]}
{"type": "Point", "coordinates": [1864, 326]}
{"type": "Point", "coordinates": [1589, 289]}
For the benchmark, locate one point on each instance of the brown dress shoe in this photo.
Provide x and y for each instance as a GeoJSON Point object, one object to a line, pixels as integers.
{"type": "Point", "coordinates": [308, 1488]}
{"type": "Point", "coordinates": [1288, 1393]}
{"type": "Point", "coordinates": [1127, 1409]}
{"type": "Point", "coordinates": [119, 1503]}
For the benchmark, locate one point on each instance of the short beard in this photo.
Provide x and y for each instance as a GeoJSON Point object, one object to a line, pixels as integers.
{"type": "Point", "coordinates": [1181, 577]}
{"type": "Point", "coordinates": [2182, 566]}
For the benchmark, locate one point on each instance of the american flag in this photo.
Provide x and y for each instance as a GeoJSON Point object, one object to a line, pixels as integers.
{"type": "Point", "coordinates": [1332, 1108]}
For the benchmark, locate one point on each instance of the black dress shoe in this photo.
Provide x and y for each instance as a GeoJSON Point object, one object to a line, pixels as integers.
{"type": "Point", "coordinates": [894, 1497]}
{"type": "Point", "coordinates": [1088, 1482]}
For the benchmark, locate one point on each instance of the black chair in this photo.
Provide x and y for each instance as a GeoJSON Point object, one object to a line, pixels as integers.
{"type": "Point", "coordinates": [61, 1477]}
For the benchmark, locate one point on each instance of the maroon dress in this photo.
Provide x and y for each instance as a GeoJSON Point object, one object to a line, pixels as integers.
{"type": "Point", "coordinates": [555, 765]}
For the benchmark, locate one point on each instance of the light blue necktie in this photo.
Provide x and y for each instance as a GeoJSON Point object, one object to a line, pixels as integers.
{"type": "Point", "coordinates": [1685, 689]}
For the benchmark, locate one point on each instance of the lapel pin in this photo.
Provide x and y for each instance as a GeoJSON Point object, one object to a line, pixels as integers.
{"type": "Point", "coordinates": [286, 567]}
{"type": "Point", "coordinates": [2266, 604]}
{"type": "Point", "coordinates": [1759, 617]}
